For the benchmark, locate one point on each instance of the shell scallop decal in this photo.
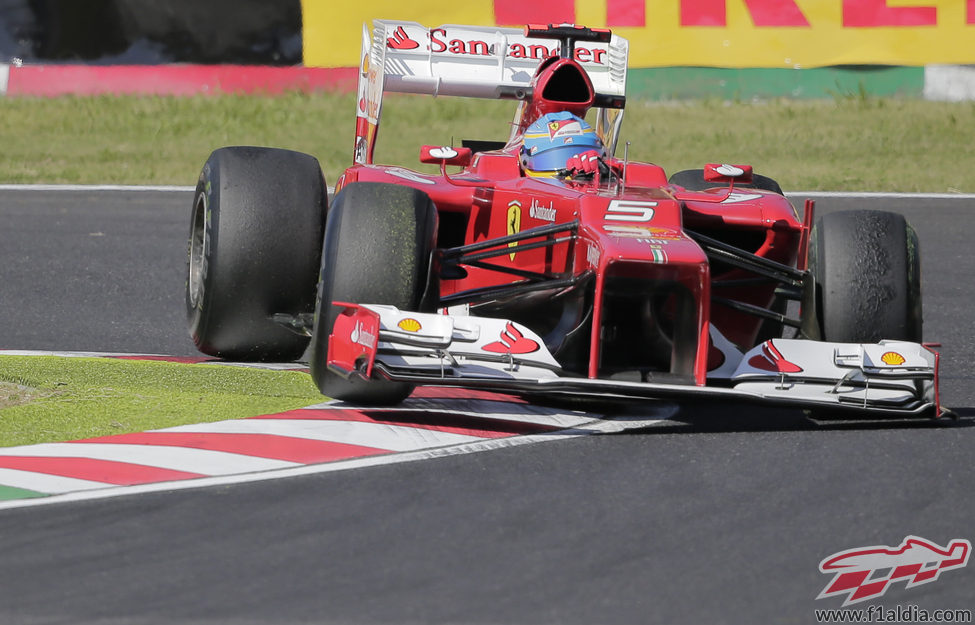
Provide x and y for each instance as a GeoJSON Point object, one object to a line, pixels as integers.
{"type": "Point", "coordinates": [409, 324]}
{"type": "Point", "coordinates": [892, 358]}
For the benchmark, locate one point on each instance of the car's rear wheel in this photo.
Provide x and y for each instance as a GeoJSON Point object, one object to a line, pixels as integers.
{"type": "Point", "coordinates": [377, 251]}
{"type": "Point", "coordinates": [254, 251]}
{"type": "Point", "coordinates": [867, 272]}
{"type": "Point", "coordinates": [693, 180]}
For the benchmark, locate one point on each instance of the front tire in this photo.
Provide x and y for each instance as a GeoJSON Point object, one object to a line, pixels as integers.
{"type": "Point", "coordinates": [377, 251]}
{"type": "Point", "coordinates": [254, 250]}
{"type": "Point", "coordinates": [867, 272]}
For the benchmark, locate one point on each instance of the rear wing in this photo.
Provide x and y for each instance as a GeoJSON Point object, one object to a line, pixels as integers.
{"type": "Point", "coordinates": [476, 62]}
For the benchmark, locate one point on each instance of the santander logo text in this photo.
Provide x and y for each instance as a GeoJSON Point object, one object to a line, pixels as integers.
{"type": "Point", "coordinates": [459, 44]}
{"type": "Point", "coordinates": [867, 572]}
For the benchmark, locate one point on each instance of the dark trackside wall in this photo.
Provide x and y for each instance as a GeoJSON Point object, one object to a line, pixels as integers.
{"type": "Point", "coordinates": [260, 32]}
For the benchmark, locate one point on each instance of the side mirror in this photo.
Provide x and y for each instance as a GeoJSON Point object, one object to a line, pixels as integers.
{"type": "Point", "coordinates": [715, 172]}
{"type": "Point", "coordinates": [446, 155]}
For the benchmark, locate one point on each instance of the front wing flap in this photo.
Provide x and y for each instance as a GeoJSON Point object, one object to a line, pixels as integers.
{"type": "Point", "coordinates": [887, 378]}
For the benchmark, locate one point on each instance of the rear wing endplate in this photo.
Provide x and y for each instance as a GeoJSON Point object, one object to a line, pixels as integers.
{"type": "Point", "coordinates": [471, 61]}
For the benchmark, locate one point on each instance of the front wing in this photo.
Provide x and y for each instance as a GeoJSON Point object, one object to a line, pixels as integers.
{"type": "Point", "coordinates": [890, 378]}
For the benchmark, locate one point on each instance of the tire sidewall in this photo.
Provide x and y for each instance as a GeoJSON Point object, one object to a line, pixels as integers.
{"type": "Point", "coordinates": [198, 302]}
{"type": "Point", "coordinates": [352, 274]}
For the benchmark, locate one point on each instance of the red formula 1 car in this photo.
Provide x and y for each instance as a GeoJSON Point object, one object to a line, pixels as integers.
{"type": "Point", "coordinates": [617, 283]}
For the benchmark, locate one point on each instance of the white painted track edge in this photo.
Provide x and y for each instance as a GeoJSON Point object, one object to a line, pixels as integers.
{"type": "Point", "coordinates": [169, 457]}
{"type": "Point", "coordinates": [597, 426]}
{"type": "Point", "coordinates": [881, 195]}
{"type": "Point", "coordinates": [189, 189]}
{"type": "Point", "coordinates": [97, 187]}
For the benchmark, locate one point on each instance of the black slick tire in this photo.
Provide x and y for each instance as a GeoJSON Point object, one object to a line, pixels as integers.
{"type": "Point", "coordinates": [376, 251]}
{"type": "Point", "coordinates": [254, 251]}
{"type": "Point", "coordinates": [866, 267]}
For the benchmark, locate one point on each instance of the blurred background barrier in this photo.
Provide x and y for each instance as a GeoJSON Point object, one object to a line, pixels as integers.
{"type": "Point", "coordinates": [729, 49]}
{"type": "Point", "coordinates": [151, 32]}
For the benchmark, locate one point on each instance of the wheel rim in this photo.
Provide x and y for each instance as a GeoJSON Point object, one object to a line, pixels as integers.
{"type": "Point", "coordinates": [198, 244]}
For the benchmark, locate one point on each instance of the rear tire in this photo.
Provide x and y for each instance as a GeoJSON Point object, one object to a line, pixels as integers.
{"type": "Point", "coordinates": [254, 250]}
{"type": "Point", "coordinates": [693, 180]}
{"type": "Point", "coordinates": [377, 251]}
{"type": "Point", "coordinates": [867, 271]}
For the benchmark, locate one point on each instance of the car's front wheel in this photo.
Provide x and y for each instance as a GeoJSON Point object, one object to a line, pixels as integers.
{"type": "Point", "coordinates": [377, 251]}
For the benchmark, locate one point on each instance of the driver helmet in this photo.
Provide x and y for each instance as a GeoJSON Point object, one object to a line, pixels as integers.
{"type": "Point", "coordinates": [553, 139]}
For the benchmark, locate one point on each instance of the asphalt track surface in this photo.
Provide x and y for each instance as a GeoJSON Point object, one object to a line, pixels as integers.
{"type": "Point", "coordinates": [720, 518]}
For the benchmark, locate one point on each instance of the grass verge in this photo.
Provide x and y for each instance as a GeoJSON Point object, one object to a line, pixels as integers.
{"type": "Point", "coordinates": [47, 398]}
{"type": "Point", "coordinates": [854, 143]}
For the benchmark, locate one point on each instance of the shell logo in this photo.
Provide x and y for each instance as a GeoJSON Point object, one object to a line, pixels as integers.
{"type": "Point", "coordinates": [410, 325]}
{"type": "Point", "coordinates": [364, 67]}
{"type": "Point", "coordinates": [892, 358]}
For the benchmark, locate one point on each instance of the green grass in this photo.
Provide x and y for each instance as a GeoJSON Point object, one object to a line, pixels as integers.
{"type": "Point", "coordinates": [852, 142]}
{"type": "Point", "coordinates": [47, 398]}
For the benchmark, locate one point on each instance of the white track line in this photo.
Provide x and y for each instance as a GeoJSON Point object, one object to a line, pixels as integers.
{"type": "Point", "coordinates": [188, 189]}
{"type": "Point", "coordinates": [45, 483]}
{"type": "Point", "coordinates": [96, 187]}
{"type": "Point", "coordinates": [882, 195]}
{"type": "Point", "coordinates": [42, 352]}
{"type": "Point", "coordinates": [129, 356]}
{"type": "Point", "coordinates": [202, 461]}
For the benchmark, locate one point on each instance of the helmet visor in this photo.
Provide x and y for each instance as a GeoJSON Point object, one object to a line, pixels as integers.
{"type": "Point", "coordinates": [554, 159]}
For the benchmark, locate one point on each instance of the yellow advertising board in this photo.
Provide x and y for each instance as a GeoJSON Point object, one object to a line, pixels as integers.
{"type": "Point", "coordinates": [705, 33]}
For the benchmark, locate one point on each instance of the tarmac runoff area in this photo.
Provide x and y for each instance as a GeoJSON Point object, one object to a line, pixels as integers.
{"type": "Point", "coordinates": [319, 438]}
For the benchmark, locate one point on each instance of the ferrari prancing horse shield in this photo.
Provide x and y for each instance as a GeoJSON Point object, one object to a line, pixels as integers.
{"type": "Point", "coordinates": [514, 223]}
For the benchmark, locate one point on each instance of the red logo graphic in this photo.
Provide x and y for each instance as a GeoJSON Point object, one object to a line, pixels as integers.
{"type": "Point", "coordinates": [401, 41]}
{"type": "Point", "coordinates": [867, 572]}
{"type": "Point", "coordinates": [512, 342]}
{"type": "Point", "coordinates": [771, 359]}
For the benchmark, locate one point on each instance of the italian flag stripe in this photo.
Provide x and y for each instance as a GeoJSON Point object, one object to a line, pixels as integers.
{"type": "Point", "coordinates": [9, 492]}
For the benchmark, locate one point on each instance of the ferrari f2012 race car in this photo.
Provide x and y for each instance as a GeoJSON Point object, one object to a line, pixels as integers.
{"type": "Point", "coordinates": [617, 282]}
